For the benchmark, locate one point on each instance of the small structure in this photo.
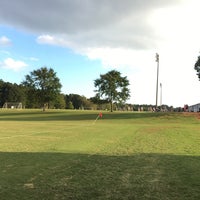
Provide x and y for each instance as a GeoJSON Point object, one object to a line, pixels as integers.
{"type": "Point", "coordinates": [194, 108]}
{"type": "Point", "coordinates": [12, 105]}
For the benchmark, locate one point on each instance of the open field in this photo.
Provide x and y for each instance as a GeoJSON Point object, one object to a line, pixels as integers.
{"type": "Point", "coordinates": [125, 155]}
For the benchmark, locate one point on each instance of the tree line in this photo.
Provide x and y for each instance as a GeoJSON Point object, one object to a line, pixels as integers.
{"type": "Point", "coordinates": [42, 89]}
{"type": "Point", "coordinates": [12, 92]}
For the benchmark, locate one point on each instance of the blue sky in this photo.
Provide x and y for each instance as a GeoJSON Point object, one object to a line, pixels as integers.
{"type": "Point", "coordinates": [76, 72]}
{"type": "Point", "coordinates": [82, 39]}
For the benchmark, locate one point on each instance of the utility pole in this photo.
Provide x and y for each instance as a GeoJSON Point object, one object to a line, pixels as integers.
{"type": "Point", "coordinates": [161, 94]}
{"type": "Point", "coordinates": [157, 60]}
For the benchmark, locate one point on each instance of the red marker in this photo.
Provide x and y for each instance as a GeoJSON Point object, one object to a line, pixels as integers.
{"type": "Point", "coordinates": [100, 115]}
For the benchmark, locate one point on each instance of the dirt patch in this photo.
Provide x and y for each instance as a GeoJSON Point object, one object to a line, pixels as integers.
{"type": "Point", "coordinates": [29, 185]}
{"type": "Point", "coordinates": [151, 130]}
{"type": "Point", "coordinates": [190, 114]}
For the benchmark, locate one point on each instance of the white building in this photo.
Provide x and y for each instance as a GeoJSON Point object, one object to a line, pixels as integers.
{"type": "Point", "coordinates": [194, 108]}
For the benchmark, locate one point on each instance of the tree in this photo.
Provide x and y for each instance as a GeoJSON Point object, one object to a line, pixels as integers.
{"type": "Point", "coordinates": [197, 67]}
{"type": "Point", "coordinates": [69, 105]}
{"type": "Point", "coordinates": [113, 87]}
{"type": "Point", "coordinates": [75, 101]}
{"type": "Point", "coordinates": [10, 92]}
{"type": "Point", "coordinates": [44, 83]}
{"type": "Point", "coordinates": [59, 103]}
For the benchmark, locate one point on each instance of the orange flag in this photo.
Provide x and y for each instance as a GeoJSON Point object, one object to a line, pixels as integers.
{"type": "Point", "coordinates": [100, 115]}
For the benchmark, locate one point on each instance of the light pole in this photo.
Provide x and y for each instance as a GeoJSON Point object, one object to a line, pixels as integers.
{"type": "Point", "coordinates": [160, 94]}
{"type": "Point", "coordinates": [157, 60]}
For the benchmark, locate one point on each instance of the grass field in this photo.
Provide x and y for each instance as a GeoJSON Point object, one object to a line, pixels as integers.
{"type": "Point", "coordinates": [125, 155]}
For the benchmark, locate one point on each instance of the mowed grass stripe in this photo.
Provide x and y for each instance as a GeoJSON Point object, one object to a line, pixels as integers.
{"type": "Point", "coordinates": [125, 155]}
{"type": "Point", "coordinates": [111, 135]}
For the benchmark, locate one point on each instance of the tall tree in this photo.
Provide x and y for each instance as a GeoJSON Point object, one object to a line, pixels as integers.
{"type": "Point", "coordinates": [197, 67]}
{"type": "Point", "coordinates": [113, 87]}
{"type": "Point", "coordinates": [44, 83]}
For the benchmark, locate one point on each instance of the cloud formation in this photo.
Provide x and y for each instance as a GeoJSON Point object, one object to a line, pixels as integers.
{"type": "Point", "coordinates": [52, 40]}
{"type": "Point", "coordinates": [12, 64]}
{"type": "Point", "coordinates": [91, 23]}
{"type": "Point", "coordinates": [91, 27]}
{"type": "Point", "coordinates": [5, 41]}
{"type": "Point", "coordinates": [121, 33]}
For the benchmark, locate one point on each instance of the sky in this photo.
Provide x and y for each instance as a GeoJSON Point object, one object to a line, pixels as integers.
{"type": "Point", "coordinates": [81, 39]}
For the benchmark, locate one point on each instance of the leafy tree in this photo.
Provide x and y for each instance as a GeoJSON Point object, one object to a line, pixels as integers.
{"type": "Point", "coordinates": [59, 103]}
{"type": "Point", "coordinates": [32, 100]}
{"type": "Point", "coordinates": [101, 104]}
{"type": "Point", "coordinates": [113, 87]}
{"type": "Point", "coordinates": [69, 105]}
{"type": "Point", "coordinates": [197, 67]}
{"type": "Point", "coordinates": [1, 92]}
{"type": "Point", "coordinates": [98, 101]}
{"type": "Point", "coordinates": [87, 104]}
{"type": "Point", "coordinates": [75, 101]}
{"type": "Point", "coordinates": [44, 83]}
{"type": "Point", "coordinates": [10, 92]}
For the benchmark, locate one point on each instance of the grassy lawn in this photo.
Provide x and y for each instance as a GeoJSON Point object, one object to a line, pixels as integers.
{"type": "Point", "coordinates": [61, 154]}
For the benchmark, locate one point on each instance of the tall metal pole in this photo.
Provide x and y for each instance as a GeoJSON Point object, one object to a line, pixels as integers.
{"type": "Point", "coordinates": [157, 60]}
{"type": "Point", "coordinates": [161, 94]}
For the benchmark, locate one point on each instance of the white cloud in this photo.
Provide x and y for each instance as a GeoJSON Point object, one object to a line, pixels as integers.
{"type": "Point", "coordinates": [94, 23]}
{"type": "Point", "coordinates": [5, 41]}
{"type": "Point", "coordinates": [124, 34]}
{"type": "Point", "coordinates": [12, 64]}
{"type": "Point", "coordinates": [52, 40]}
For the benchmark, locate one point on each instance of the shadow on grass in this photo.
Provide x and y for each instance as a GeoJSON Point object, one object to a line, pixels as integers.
{"type": "Point", "coordinates": [74, 115]}
{"type": "Point", "coordinates": [81, 176]}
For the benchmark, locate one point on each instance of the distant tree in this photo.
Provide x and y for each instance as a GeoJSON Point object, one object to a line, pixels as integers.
{"type": "Point", "coordinates": [10, 92]}
{"type": "Point", "coordinates": [99, 101]}
{"type": "Point", "coordinates": [59, 102]}
{"type": "Point", "coordinates": [197, 67]}
{"type": "Point", "coordinates": [101, 104]}
{"type": "Point", "coordinates": [32, 98]}
{"type": "Point", "coordinates": [75, 101]}
{"type": "Point", "coordinates": [88, 104]}
{"type": "Point", "coordinates": [1, 92]}
{"type": "Point", "coordinates": [44, 83]}
{"type": "Point", "coordinates": [69, 105]}
{"type": "Point", "coordinates": [113, 87]}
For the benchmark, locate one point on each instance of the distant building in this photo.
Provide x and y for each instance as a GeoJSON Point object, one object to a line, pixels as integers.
{"type": "Point", "coordinates": [194, 108]}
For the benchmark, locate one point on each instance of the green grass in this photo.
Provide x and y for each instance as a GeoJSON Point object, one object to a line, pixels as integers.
{"type": "Point", "coordinates": [125, 155]}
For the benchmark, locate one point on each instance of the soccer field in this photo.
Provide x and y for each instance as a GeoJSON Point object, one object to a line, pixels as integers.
{"type": "Point", "coordinates": [60, 154]}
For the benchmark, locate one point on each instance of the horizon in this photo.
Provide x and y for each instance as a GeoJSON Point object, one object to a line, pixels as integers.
{"type": "Point", "coordinates": [81, 41]}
